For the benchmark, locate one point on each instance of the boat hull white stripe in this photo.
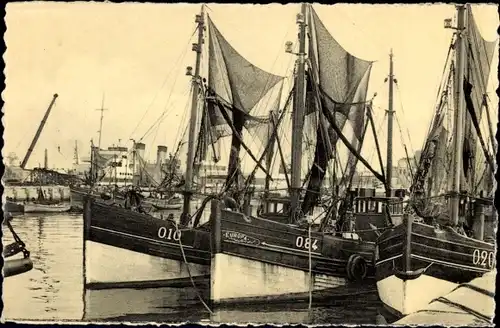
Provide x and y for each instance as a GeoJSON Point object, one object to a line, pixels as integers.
{"type": "Point", "coordinates": [387, 260]}
{"type": "Point", "coordinates": [154, 241]}
{"type": "Point", "coordinates": [460, 266]}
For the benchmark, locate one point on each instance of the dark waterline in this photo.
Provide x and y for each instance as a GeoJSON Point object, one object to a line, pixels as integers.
{"type": "Point", "coordinates": [53, 290]}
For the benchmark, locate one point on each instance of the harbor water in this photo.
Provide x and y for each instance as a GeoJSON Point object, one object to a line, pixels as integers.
{"type": "Point", "coordinates": [54, 289]}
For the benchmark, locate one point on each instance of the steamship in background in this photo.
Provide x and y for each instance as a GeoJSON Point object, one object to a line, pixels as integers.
{"type": "Point", "coordinates": [119, 167]}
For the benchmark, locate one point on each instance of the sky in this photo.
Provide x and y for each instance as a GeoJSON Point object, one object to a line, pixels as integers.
{"type": "Point", "coordinates": [134, 55]}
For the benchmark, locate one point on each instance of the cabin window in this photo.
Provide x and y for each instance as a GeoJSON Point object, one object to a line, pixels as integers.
{"type": "Point", "coordinates": [350, 235]}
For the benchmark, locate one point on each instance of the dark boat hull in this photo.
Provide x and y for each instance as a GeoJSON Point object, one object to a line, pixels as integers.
{"type": "Point", "coordinates": [77, 197]}
{"type": "Point", "coordinates": [272, 259]}
{"type": "Point", "coordinates": [416, 263]}
{"type": "Point", "coordinates": [13, 207]}
{"type": "Point", "coordinates": [129, 249]}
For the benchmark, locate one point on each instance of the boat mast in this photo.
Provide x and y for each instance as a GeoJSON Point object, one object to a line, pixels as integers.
{"type": "Point", "coordinates": [269, 158]}
{"type": "Point", "coordinates": [194, 113]}
{"type": "Point", "coordinates": [93, 165]}
{"type": "Point", "coordinates": [390, 119]}
{"type": "Point", "coordinates": [298, 118]}
{"type": "Point", "coordinates": [102, 109]}
{"type": "Point", "coordinates": [459, 114]}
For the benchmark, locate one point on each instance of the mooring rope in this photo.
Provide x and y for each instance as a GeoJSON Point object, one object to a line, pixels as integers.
{"type": "Point", "coordinates": [189, 271]}
{"type": "Point", "coordinates": [17, 239]}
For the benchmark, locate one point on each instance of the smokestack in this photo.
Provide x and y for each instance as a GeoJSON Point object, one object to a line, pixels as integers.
{"type": "Point", "coordinates": [140, 148]}
{"type": "Point", "coordinates": [161, 155]}
{"type": "Point", "coordinates": [46, 160]}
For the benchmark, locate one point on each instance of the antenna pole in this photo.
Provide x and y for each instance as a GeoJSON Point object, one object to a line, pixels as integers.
{"type": "Point", "coordinates": [390, 123]}
{"type": "Point", "coordinates": [194, 115]}
{"type": "Point", "coordinates": [102, 109]}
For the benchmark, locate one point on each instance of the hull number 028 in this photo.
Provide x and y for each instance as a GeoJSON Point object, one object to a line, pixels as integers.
{"type": "Point", "coordinates": [305, 243]}
{"type": "Point", "coordinates": [169, 234]}
{"type": "Point", "coordinates": [483, 258]}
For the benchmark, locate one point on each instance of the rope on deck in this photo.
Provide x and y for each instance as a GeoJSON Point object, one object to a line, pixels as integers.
{"type": "Point", "coordinates": [462, 307]}
{"type": "Point", "coordinates": [477, 289]}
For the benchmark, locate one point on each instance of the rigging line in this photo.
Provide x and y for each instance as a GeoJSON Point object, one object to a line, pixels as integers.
{"type": "Point", "coordinates": [274, 63]}
{"type": "Point", "coordinates": [478, 71]}
{"type": "Point", "coordinates": [477, 43]}
{"type": "Point", "coordinates": [444, 90]}
{"type": "Point", "coordinates": [370, 157]}
{"type": "Point", "coordinates": [236, 27]}
{"type": "Point", "coordinates": [182, 122]}
{"type": "Point", "coordinates": [400, 132]}
{"type": "Point", "coordinates": [403, 111]}
{"type": "Point", "coordinates": [271, 140]}
{"type": "Point", "coordinates": [164, 114]}
{"type": "Point", "coordinates": [369, 114]}
{"type": "Point", "coordinates": [349, 19]}
{"type": "Point", "coordinates": [276, 160]}
{"type": "Point", "coordinates": [278, 100]}
{"type": "Point", "coordinates": [164, 82]}
{"type": "Point", "coordinates": [450, 49]}
{"type": "Point", "coordinates": [179, 142]}
{"type": "Point", "coordinates": [160, 119]}
{"type": "Point", "coordinates": [255, 137]}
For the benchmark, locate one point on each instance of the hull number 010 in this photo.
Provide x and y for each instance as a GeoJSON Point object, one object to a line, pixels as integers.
{"type": "Point", "coordinates": [169, 234]}
{"type": "Point", "coordinates": [483, 258]}
{"type": "Point", "coordinates": [305, 243]}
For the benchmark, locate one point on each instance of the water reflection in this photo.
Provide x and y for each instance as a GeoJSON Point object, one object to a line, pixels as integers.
{"type": "Point", "coordinates": [162, 304]}
{"type": "Point", "coordinates": [49, 291]}
{"type": "Point", "coordinates": [53, 290]}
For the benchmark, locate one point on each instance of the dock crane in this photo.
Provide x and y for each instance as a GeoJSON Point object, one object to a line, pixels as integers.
{"type": "Point", "coordinates": [38, 132]}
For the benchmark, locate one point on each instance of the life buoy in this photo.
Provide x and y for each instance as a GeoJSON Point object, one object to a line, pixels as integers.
{"type": "Point", "coordinates": [356, 268]}
{"type": "Point", "coordinates": [17, 266]}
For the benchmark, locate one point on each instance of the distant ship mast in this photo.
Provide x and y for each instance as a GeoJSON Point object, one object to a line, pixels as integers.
{"type": "Point", "coordinates": [102, 109]}
{"type": "Point", "coordinates": [75, 156]}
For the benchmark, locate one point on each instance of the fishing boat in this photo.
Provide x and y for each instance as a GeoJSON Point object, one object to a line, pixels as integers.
{"type": "Point", "coordinates": [284, 250]}
{"type": "Point", "coordinates": [448, 234]}
{"type": "Point", "coordinates": [165, 206]}
{"type": "Point", "coordinates": [156, 197]}
{"type": "Point", "coordinates": [13, 207]}
{"type": "Point", "coordinates": [44, 208]}
{"type": "Point", "coordinates": [44, 205]}
{"type": "Point", "coordinates": [14, 266]}
{"type": "Point", "coordinates": [178, 248]}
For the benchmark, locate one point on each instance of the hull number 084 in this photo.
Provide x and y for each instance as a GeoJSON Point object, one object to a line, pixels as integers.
{"type": "Point", "coordinates": [305, 243]}
{"type": "Point", "coordinates": [169, 234]}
